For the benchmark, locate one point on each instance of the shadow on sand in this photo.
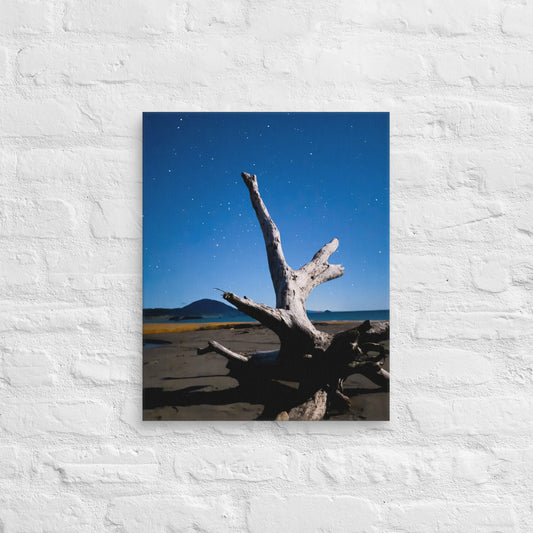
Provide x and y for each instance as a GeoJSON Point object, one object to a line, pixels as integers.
{"type": "Point", "coordinates": [274, 397]}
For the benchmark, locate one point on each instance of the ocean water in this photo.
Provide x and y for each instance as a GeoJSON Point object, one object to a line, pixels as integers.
{"type": "Point", "coordinates": [350, 316]}
{"type": "Point", "coordinates": [314, 316]}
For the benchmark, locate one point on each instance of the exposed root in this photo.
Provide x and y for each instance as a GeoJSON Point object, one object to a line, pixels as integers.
{"type": "Point", "coordinates": [312, 409]}
{"type": "Point", "coordinates": [214, 346]}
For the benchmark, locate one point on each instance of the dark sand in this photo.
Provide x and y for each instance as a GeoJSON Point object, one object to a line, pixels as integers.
{"type": "Point", "coordinates": [181, 385]}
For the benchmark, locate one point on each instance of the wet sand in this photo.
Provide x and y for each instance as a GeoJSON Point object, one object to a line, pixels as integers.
{"type": "Point", "coordinates": [181, 385]}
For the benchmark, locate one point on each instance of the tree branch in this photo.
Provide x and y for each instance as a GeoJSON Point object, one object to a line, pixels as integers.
{"type": "Point", "coordinates": [277, 265]}
{"type": "Point", "coordinates": [314, 408]}
{"type": "Point", "coordinates": [318, 270]}
{"type": "Point", "coordinates": [373, 371]}
{"type": "Point", "coordinates": [322, 256]}
{"type": "Point", "coordinates": [377, 332]}
{"type": "Point", "coordinates": [214, 346]}
{"type": "Point", "coordinates": [269, 317]}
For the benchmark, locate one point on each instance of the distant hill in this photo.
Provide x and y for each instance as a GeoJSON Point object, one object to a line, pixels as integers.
{"type": "Point", "coordinates": [208, 307]}
{"type": "Point", "coordinates": [201, 308]}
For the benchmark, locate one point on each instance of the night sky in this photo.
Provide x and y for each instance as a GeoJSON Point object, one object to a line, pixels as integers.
{"type": "Point", "coordinates": [321, 175]}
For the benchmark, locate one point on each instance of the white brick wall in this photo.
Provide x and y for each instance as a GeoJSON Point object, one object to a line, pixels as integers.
{"type": "Point", "coordinates": [74, 79]}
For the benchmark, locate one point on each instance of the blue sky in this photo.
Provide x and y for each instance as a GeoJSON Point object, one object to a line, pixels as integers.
{"type": "Point", "coordinates": [321, 175]}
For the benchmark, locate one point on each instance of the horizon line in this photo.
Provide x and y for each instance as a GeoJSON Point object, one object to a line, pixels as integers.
{"type": "Point", "coordinates": [307, 310]}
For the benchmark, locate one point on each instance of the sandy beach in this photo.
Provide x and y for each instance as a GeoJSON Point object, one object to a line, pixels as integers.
{"type": "Point", "coordinates": [178, 384]}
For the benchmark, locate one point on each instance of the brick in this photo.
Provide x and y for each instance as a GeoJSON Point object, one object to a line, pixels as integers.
{"type": "Point", "coordinates": [423, 273]}
{"type": "Point", "coordinates": [237, 463]}
{"type": "Point", "coordinates": [487, 228]}
{"type": "Point", "coordinates": [473, 416]}
{"type": "Point", "coordinates": [117, 260]}
{"type": "Point", "coordinates": [392, 66]}
{"type": "Point", "coordinates": [26, 17]}
{"type": "Point", "coordinates": [453, 517]}
{"type": "Point", "coordinates": [46, 218]}
{"type": "Point", "coordinates": [488, 68]}
{"type": "Point", "coordinates": [46, 65]}
{"type": "Point", "coordinates": [115, 119]}
{"type": "Point", "coordinates": [20, 267]}
{"type": "Point", "coordinates": [131, 416]}
{"type": "Point", "coordinates": [48, 117]}
{"type": "Point", "coordinates": [512, 465]}
{"type": "Point", "coordinates": [419, 16]}
{"type": "Point", "coordinates": [478, 119]}
{"type": "Point", "coordinates": [518, 19]}
{"type": "Point", "coordinates": [448, 220]}
{"type": "Point", "coordinates": [339, 65]}
{"type": "Point", "coordinates": [278, 58]}
{"type": "Point", "coordinates": [107, 289]}
{"type": "Point", "coordinates": [472, 325]}
{"type": "Point", "coordinates": [41, 418]}
{"type": "Point", "coordinates": [4, 64]}
{"type": "Point", "coordinates": [523, 217]}
{"type": "Point", "coordinates": [491, 171]}
{"type": "Point", "coordinates": [125, 17]}
{"type": "Point", "coordinates": [491, 274]}
{"type": "Point", "coordinates": [240, 428]}
{"type": "Point", "coordinates": [453, 119]}
{"type": "Point", "coordinates": [100, 170]}
{"type": "Point", "coordinates": [519, 367]}
{"type": "Point", "coordinates": [215, 17]}
{"type": "Point", "coordinates": [444, 367]}
{"type": "Point", "coordinates": [339, 428]}
{"type": "Point", "coordinates": [139, 514]}
{"type": "Point", "coordinates": [8, 165]}
{"type": "Point", "coordinates": [522, 273]}
{"type": "Point", "coordinates": [311, 513]}
{"type": "Point", "coordinates": [485, 119]}
{"type": "Point", "coordinates": [119, 292]}
{"type": "Point", "coordinates": [201, 61]}
{"type": "Point", "coordinates": [376, 465]}
{"type": "Point", "coordinates": [51, 319]}
{"type": "Point", "coordinates": [411, 170]}
{"type": "Point", "coordinates": [28, 368]}
{"type": "Point", "coordinates": [106, 464]}
{"type": "Point", "coordinates": [68, 513]}
{"type": "Point", "coordinates": [102, 368]}
{"type": "Point", "coordinates": [474, 466]}
{"type": "Point", "coordinates": [13, 462]}
{"type": "Point", "coordinates": [55, 65]}
{"type": "Point", "coordinates": [335, 65]}
{"type": "Point", "coordinates": [276, 20]}
{"type": "Point", "coordinates": [116, 219]}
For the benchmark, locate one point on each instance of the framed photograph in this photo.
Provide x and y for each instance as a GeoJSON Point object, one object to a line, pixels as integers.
{"type": "Point", "coordinates": [266, 266]}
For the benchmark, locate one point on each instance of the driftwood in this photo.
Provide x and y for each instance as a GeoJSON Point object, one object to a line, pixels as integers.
{"type": "Point", "coordinates": [320, 362]}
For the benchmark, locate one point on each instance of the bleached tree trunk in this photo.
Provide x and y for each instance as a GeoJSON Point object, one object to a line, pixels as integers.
{"type": "Point", "coordinates": [292, 287]}
{"type": "Point", "coordinates": [321, 361]}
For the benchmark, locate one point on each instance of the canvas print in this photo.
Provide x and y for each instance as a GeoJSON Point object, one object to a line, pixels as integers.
{"type": "Point", "coordinates": [266, 266]}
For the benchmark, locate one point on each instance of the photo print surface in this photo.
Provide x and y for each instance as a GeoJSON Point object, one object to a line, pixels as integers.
{"type": "Point", "coordinates": [266, 266]}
